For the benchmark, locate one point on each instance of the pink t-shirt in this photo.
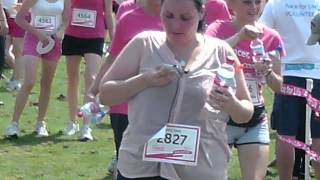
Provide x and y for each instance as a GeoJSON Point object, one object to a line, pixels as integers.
{"type": "Point", "coordinates": [129, 25]}
{"type": "Point", "coordinates": [271, 40]}
{"type": "Point", "coordinates": [87, 19]}
{"type": "Point", "coordinates": [126, 6]}
{"type": "Point", "coordinates": [216, 10]}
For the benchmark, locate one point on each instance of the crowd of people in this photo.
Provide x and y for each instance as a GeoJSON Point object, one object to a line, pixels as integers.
{"type": "Point", "coordinates": [161, 74]}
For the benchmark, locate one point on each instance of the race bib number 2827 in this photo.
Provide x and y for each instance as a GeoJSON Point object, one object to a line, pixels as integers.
{"type": "Point", "coordinates": [174, 143]}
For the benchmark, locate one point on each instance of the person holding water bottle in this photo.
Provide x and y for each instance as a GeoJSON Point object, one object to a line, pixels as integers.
{"type": "Point", "coordinates": [259, 49]}
{"type": "Point", "coordinates": [84, 38]}
{"type": "Point", "coordinates": [141, 16]}
{"type": "Point", "coordinates": [42, 41]}
{"type": "Point", "coordinates": [167, 77]}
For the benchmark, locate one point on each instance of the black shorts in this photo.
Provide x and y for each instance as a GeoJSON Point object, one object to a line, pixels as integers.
{"type": "Point", "coordinates": [292, 109]}
{"type": "Point", "coordinates": [72, 46]}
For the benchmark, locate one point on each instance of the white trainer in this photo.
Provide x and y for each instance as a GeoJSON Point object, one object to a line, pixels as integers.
{"type": "Point", "coordinates": [85, 133]}
{"type": "Point", "coordinates": [12, 130]}
{"type": "Point", "coordinates": [13, 85]}
{"type": "Point", "coordinates": [113, 164]}
{"type": "Point", "coordinates": [72, 128]}
{"type": "Point", "coordinates": [41, 129]}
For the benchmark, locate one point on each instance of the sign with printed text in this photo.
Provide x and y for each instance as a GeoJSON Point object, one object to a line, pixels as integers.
{"type": "Point", "coordinates": [174, 143]}
{"type": "Point", "coordinates": [46, 23]}
{"type": "Point", "coordinates": [84, 18]}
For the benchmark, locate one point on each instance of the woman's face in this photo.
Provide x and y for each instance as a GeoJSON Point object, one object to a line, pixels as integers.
{"type": "Point", "coordinates": [247, 11]}
{"type": "Point", "coordinates": [180, 19]}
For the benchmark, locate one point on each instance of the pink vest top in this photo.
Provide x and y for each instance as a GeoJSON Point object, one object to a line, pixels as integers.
{"type": "Point", "coordinates": [86, 19]}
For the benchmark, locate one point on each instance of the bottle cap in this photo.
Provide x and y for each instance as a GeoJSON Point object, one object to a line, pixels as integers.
{"type": "Point", "coordinates": [80, 114]}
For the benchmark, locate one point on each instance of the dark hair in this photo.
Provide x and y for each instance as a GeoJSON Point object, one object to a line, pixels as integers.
{"type": "Point", "coordinates": [198, 4]}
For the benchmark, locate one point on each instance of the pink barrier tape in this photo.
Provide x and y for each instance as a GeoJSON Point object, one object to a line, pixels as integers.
{"type": "Point", "coordinates": [291, 90]}
{"type": "Point", "coordinates": [300, 145]}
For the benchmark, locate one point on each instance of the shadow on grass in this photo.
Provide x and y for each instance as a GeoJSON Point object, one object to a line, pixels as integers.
{"type": "Point", "coordinates": [103, 126]}
{"type": "Point", "coordinates": [32, 140]}
{"type": "Point", "coordinates": [107, 178]}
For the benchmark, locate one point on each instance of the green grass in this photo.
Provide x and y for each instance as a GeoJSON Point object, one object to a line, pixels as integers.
{"type": "Point", "coordinates": [59, 156]}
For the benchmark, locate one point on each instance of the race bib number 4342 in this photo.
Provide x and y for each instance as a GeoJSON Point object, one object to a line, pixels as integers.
{"type": "Point", "coordinates": [174, 143]}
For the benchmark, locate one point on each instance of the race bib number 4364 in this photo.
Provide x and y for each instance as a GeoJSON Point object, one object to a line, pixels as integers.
{"type": "Point", "coordinates": [174, 143]}
{"type": "Point", "coordinates": [84, 18]}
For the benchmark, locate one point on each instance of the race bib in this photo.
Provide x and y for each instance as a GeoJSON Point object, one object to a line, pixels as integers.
{"type": "Point", "coordinates": [46, 23]}
{"type": "Point", "coordinates": [84, 18]}
{"type": "Point", "coordinates": [174, 143]}
{"type": "Point", "coordinates": [254, 91]}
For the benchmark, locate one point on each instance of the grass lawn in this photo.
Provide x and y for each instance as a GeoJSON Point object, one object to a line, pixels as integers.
{"type": "Point", "coordinates": [59, 156]}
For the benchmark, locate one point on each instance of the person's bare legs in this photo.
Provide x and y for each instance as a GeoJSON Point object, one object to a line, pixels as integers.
{"type": "Point", "coordinates": [9, 57]}
{"type": "Point", "coordinates": [17, 44]}
{"type": "Point", "coordinates": [91, 69]}
{"type": "Point", "coordinates": [73, 73]}
{"type": "Point", "coordinates": [285, 159]}
{"type": "Point", "coordinates": [47, 75]}
{"type": "Point", "coordinates": [253, 160]}
{"type": "Point", "coordinates": [30, 68]}
{"type": "Point", "coordinates": [316, 165]}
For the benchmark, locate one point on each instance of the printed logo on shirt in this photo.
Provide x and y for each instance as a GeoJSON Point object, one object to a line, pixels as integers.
{"type": "Point", "coordinates": [84, 18]}
{"type": "Point", "coordinates": [300, 10]}
{"type": "Point", "coordinates": [46, 23]}
{"type": "Point", "coordinates": [241, 53]}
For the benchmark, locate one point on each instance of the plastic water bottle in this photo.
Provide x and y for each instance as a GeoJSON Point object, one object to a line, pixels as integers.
{"type": "Point", "coordinates": [259, 54]}
{"type": "Point", "coordinates": [93, 112]}
{"type": "Point", "coordinates": [96, 118]}
{"type": "Point", "coordinates": [257, 48]}
{"type": "Point", "coordinates": [225, 75]}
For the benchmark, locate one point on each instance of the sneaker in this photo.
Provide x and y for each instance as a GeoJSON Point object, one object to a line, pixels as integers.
{"type": "Point", "coordinates": [2, 76]}
{"type": "Point", "coordinates": [41, 129]}
{"type": "Point", "coordinates": [12, 130]}
{"type": "Point", "coordinates": [72, 128]}
{"type": "Point", "coordinates": [113, 164]}
{"type": "Point", "coordinates": [85, 134]}
{"type": "Point", "coordinates": [13, 85]}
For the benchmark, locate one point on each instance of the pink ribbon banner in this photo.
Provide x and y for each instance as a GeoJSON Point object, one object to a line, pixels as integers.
{"type": "Point", "coordinates": [300, 145]}
{"type": "Point", "coordinates": [291, 90]}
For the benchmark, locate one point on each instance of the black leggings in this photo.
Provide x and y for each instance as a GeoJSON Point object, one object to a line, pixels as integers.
{"type": "Point", "coordinates": [2, 58]}
{"type": "Point", "coordinates": [120, 177]}
{"type": "Point", "coordinates": [119, 123]}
